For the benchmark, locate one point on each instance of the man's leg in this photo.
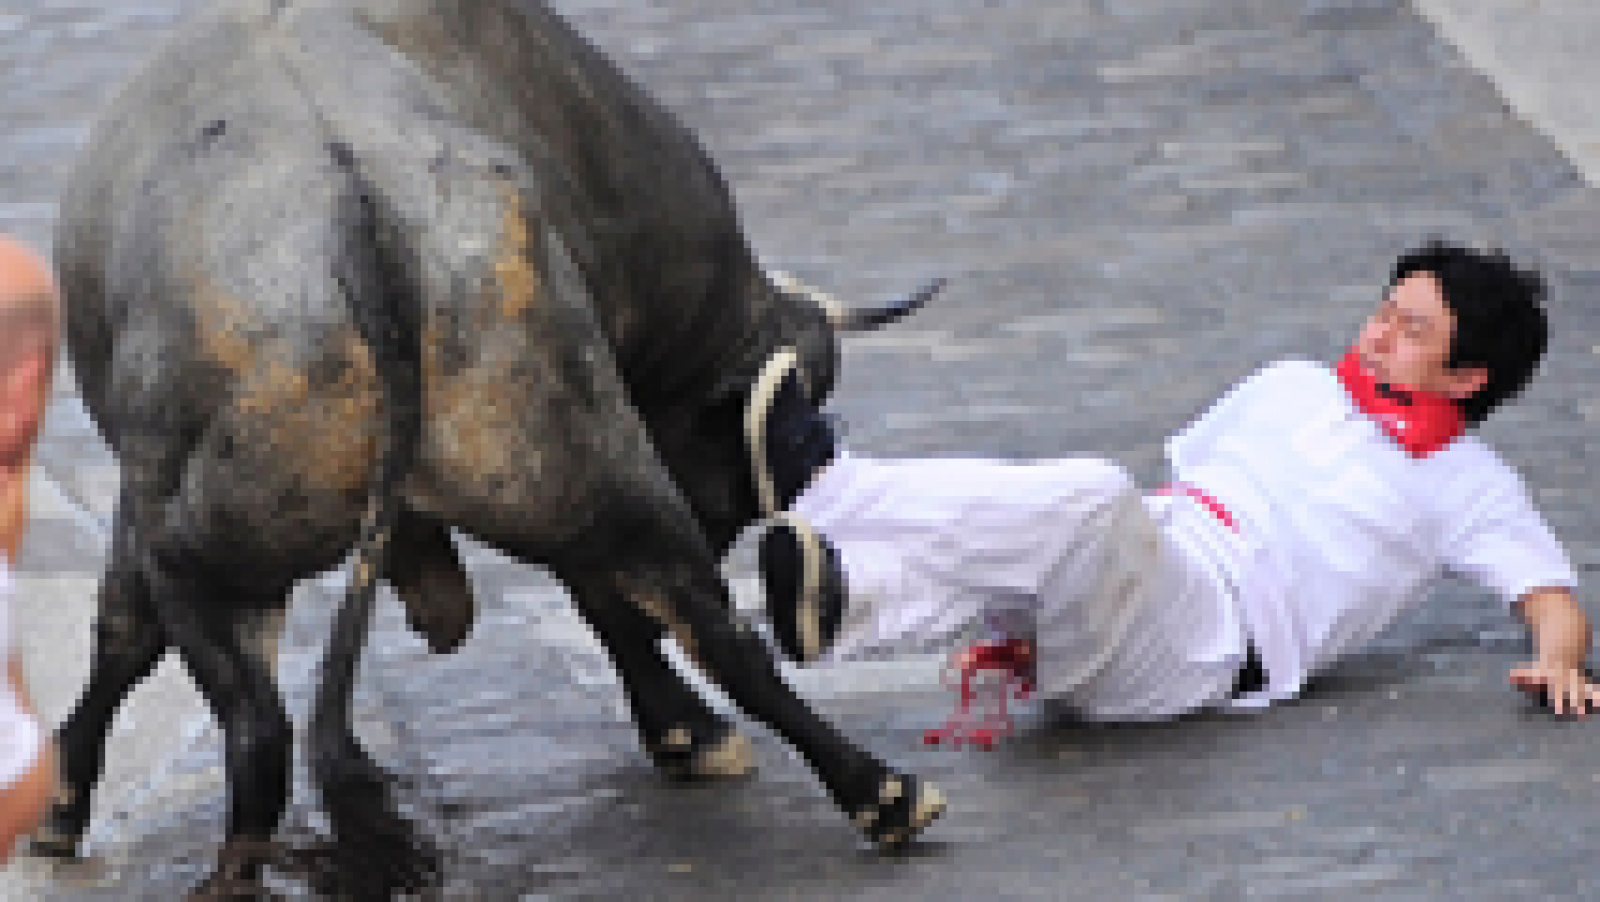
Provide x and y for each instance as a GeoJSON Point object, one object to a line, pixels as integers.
{"type": "Point", "coordinates": [871, 556]}
{"type": "Point", "coordinates": [791, 444]}
{"type": "Point", "coordinates": [884, 556]}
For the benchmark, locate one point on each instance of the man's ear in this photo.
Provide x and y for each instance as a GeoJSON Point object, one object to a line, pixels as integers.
{"type": "Point", "coordinates": [1466, 380]}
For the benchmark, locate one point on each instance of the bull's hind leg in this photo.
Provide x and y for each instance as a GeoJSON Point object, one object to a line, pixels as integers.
{"type": "Point", "coordinates": [128, 641]}
{"type": "Point", "coordinates": [227, 632]}
{"type": "Point", "coordinates": [680, 732]}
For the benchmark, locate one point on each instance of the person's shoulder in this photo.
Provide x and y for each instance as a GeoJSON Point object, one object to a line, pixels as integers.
{"type": "Point", "coordinates": [1299, 367]}
{"type": "Point", "coordinates": [1470, 452]}
{"type": "Point", "coordinates": [1290, 372]}
{"type": "Point", "coordinates": [1476, 470]}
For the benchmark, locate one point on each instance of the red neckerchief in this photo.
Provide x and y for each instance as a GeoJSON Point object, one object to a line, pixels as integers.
{"type": "Point", "coordinates": [1421, 421]}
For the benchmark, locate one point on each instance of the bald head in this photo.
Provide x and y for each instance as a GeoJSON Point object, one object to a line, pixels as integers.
{"type": "Point", "coordinates": [29, 309]}
{"type": "Point", "coordinates": [23, 271]}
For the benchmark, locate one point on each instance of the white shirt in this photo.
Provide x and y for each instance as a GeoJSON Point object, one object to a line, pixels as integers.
{"type": "Point", "coordinates": [1340, 529]}
{"type": "Point", "coordinates": [21, 737]}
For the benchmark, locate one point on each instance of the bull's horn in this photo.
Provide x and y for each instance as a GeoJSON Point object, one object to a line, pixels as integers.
{"type": "Point", "coordinates": [862, 320]}
{"type": "Point", "coordinates": [847, 320]}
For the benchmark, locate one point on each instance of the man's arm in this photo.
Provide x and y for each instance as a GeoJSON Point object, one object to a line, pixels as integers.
{"type": "Point", "coordinates": [1561, 635]}
{"type": "Point", "coordinates": [27, 362]}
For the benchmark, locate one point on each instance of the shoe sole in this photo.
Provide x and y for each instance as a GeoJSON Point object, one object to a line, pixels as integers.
{"type": "Point", "coordinates": [802, 611]}
{"type": "Point", "coordinates": [755, 424]}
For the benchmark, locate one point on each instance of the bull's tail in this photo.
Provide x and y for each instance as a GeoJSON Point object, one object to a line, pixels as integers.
{"type": "Point", "coordinates": [372, 841]}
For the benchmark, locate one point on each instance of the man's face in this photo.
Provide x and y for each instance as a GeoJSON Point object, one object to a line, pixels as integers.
{"type": "Point", "coordinates": [1407, 341]}
{"type": "Point", "coordinates": [27, 325]}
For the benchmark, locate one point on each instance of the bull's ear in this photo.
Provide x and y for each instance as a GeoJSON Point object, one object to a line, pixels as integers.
{"type": "Point", "coordinates": [787, 283]}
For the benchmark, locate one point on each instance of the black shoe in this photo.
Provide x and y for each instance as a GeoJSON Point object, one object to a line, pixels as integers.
{"type": "Point", "coordinates": [805, 589]}
{"type": "Point", "coordinates": [788, 438]}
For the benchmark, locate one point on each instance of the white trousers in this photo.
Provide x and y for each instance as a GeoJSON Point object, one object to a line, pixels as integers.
{"type": "Point", "coordinates": [21, 737]}
{"type": "Point", "coordinates": [1129, 621]}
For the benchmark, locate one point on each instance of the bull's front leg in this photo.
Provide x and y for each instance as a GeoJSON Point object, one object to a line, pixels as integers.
{"type": "Point", "coordinates": [680, 732]}
{"type": "Point", "coordinates": [672, 574]}
{"type": "Point", "coordinates": [227, 643]}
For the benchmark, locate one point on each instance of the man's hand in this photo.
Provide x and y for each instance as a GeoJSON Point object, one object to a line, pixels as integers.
{"type": "Point", "coordinates": [1561, 688]}
{"type": "Point", "coordinates": [1561, 637]}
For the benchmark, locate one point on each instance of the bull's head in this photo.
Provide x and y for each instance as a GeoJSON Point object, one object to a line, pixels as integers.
{"type": "Point", "coordinates": [823, 320]}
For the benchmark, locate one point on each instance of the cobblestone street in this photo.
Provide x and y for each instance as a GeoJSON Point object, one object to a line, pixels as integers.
{"type": "Point", "coordinates": [1138, 203]}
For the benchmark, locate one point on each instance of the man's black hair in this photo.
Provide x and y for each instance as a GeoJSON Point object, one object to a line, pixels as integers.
{"type": "Point", "coordinates": [1500, 323]}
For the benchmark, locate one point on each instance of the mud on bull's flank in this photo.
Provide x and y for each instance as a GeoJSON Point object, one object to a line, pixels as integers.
{"type": "Point", "coordinates": [328, 429]}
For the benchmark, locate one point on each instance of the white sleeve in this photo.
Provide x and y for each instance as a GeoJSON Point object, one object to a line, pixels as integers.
{"type": "Point", "coordinates": [1504, 545]}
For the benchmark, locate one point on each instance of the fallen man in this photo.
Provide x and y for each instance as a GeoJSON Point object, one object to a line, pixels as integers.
{"type": "Point", "coordinates": [1308, 507]}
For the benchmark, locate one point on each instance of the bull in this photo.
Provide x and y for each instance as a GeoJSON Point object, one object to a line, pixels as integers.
{"type": "Point", "coordinates": [340, 275]}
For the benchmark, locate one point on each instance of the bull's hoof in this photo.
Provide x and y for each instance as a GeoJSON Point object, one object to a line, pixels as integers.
{"type": "Point", "coordinates": [232, 890]}
{"type": "Point", "coordinates": [904, 806]}
{"type": "Point", "coordinates": [720, 754]}
{"type": "Point", "coordinates": [237, 877]}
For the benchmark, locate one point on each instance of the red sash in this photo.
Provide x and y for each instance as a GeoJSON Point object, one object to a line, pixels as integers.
{"type": "Point", "coordinates": [1211, 504]}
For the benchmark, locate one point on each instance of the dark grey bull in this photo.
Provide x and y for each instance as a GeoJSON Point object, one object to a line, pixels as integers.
{"type": "Point", "coordinates": [346, 274]}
